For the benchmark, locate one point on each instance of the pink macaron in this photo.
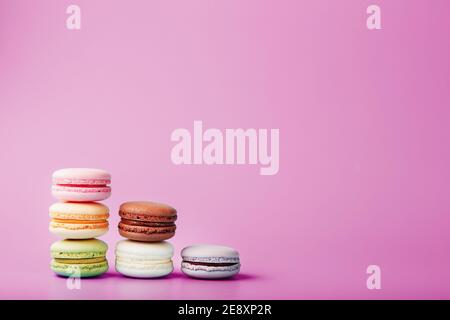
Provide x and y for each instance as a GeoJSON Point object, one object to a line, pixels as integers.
{"type": "Point", "coordinates": [81, 184]}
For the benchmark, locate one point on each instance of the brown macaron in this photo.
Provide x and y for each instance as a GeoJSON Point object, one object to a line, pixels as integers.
{"type": "Point", "coordinates": [147, 221]}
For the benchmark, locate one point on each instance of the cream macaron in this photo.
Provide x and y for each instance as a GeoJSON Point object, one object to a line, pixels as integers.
{"type": "Point", "coordinates": [144, 259]}
{"type": "Point", "coordinates": [78, 220]}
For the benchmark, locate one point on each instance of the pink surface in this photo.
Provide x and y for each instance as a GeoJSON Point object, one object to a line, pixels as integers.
{"type": "Point", "coordinates": [364, 129]}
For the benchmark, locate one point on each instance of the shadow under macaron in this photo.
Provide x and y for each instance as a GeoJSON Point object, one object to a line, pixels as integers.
{"type": "Point", "coordinates": [172, 276]}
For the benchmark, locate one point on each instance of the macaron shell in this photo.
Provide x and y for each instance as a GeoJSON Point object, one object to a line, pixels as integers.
{"type": "Point", "coordinates": [137, 269]}
{"type": "Point", "coordinates": [78, 249]}
{"type": "Point", "coordinates": [80, 194]}
{"type": "Point", "coordinates": [147, 208]}
{"type": "Point", "coordinates": [88, 232]}
{"type": "Point", "coordinates": [146, 237]}
{"type": "Point", "coordinates": [210, 251]}
{"type": "Point", "coordinates": [79, 270]}
{"type": "Point", "coordinates": [147, 218]}
{"type": "Point", "coordinates": [218, 273]}
{"type": "Point", "coordinates": [144, 229]}
{"type": "Point", "coordinates": [81, 176]}
{"type": "Point", "coordinates": [79, 211]}
{"type": "Point", "coordinates": [145, 251]}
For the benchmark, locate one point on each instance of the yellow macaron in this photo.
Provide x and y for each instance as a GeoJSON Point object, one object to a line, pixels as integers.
{"type": "Point", "coordinates": [70, 220]}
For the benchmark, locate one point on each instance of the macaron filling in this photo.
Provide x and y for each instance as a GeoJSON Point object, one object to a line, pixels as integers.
{"type": "Point", "coordinates": [80, 185]}
{"type": "Point", "coordinates": [142, 263]}
{"type": "Point", "coordinates": [213, 260]}
{"type": "Point", "coordinates": [147, 223]}
{"type": "Point", "coordinates": [80, 261]}
{"type": "Point", "coordinates": [145, 229]}
{"type": "Point", "coordinates": [146, 217]}
{"type": "Point", "coordinates": [80, 189]}
{"type": "Point", "coordinates": [210, 267]}
{"type": "Point", "coordinates": [211, 264]}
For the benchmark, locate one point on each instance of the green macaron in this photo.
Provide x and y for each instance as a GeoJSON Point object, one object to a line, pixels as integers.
{"type": "Point", "coordinates": [79, 258]}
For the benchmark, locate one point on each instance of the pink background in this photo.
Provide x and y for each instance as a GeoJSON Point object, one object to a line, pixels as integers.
{"type": "Point", "coordinates": [364, 133]}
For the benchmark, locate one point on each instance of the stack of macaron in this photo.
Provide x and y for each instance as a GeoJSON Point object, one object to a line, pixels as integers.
{"type": "Point", "coordinates": [146, 225]}
{"type": "Point", "coordinates": [78, 218]}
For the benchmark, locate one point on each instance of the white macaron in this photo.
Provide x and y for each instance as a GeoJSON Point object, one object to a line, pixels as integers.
{"type": "Point", "coordinates": [144, 259]}
{"type": "Point", "coordinates": [210, 261]}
